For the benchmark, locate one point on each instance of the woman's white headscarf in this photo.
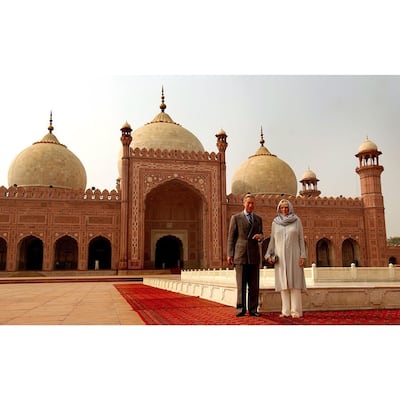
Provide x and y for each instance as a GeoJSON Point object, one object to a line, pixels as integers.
{"type": "Point", "coordinates": [284, 220]}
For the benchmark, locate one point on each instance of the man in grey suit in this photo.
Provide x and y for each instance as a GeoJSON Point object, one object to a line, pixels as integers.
{"type": "Point", "coordinates": [245, 233]}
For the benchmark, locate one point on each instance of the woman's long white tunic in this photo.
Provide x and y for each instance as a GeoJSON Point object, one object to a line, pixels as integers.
{"type": "Point", "coordinates": [287, 242]}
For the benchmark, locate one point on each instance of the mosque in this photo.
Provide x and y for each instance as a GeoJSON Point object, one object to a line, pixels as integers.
{"type": "Point", "coordinates": [170, 209]}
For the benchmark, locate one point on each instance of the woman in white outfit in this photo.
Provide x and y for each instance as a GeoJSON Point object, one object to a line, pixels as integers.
{"type": "Point", "coordinates": [286, 250]}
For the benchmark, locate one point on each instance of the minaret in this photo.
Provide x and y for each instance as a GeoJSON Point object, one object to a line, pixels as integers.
{"type": "Point", "coordinates": [222, 144]}
{"type": "Point", "coordinates": [374, 211]}
{"type": "Point", "coordinates": [309, 182]}
{"type": "Point", "coordinates": [126, 139]}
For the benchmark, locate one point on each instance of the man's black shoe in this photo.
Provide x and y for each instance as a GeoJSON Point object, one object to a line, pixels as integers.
{"type": "Point", "coordinates": [241, 314]}
{"type": "Point", "coordinates": [255, 314]}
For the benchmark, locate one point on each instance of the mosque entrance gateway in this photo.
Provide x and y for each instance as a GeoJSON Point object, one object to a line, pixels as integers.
{"type": "Point", "coordinates": [173, 222]}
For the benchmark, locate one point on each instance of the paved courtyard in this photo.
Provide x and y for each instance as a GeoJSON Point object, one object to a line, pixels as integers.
{"type": "Point", "coordinates": [59, 303]}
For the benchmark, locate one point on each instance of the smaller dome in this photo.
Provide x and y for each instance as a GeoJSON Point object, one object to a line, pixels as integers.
{"type": "Point", "coordinates": [309, 175]}
{"type": "Point", "coordinates": [367, 146]}
{"type": "Point", "coordinates": [264, 173]}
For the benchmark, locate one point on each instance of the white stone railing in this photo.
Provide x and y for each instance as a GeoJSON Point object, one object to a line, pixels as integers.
{"type": "Point", "coordinates": [355, 274]}
{"type": "Point", "coordinates": [223, 277]}
{"type": "Point", "coordinates": [226, 277]}
{"type": "Point", "coordinates": [330, 288]}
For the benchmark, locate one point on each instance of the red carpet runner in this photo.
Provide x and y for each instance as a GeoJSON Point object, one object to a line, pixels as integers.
{"type": "Point", "coordinates": [162, 307]}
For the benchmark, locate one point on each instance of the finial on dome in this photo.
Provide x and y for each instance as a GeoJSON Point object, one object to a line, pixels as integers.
{"type": "Point", "coordinates": [162, 105]}
{"type": "Point", "coordinates": [262, 141]}
{"type": "Point", "coordinates": [51, 128]}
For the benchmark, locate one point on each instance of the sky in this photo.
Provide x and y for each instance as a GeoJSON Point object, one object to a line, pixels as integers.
{"type": "Point", "coordinates": [317, 91]}
{"type": "Point", "coordinates": [319, 77]}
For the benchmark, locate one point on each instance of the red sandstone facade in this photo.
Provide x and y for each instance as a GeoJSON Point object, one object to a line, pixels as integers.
{"type": "Point", "coordinates": [170, 209]}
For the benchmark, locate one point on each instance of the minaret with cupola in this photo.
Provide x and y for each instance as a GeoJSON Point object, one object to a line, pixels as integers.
{"type": "Point", "coordinates": [370, 172]}
{"type": "Point", "coordinates": [222, 145]}
{"type": "Point", "coordinates": [126, 139]}
{"type": "Point", "coordinates": [310, 184]}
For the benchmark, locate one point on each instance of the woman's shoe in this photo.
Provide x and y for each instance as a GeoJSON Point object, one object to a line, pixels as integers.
{"type": "Point", "coordinates": [283, 316]}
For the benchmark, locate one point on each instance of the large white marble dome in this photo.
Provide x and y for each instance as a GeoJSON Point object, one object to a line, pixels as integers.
{"type": "Point", "coordinates": [165, 134]}
{"type": "Point", "coordinates": [264, 173]}
{"type": "Point", "coordinates": [47, 163]}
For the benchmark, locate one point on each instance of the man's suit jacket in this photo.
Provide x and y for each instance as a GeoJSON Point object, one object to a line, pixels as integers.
{"type": "Point", "coordinates": [241, 246]}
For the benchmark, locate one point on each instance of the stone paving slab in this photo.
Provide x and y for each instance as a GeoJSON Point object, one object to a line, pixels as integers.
{"type": "Point", "coordinates": [75, 303]}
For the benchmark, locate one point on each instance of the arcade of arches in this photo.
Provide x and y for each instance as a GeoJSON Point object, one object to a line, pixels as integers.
{"type": "Point", "coordinates": [326, 257]}
{"type": "Point", "coordinates": [325, 254]}
{"type": "Point", "coordinates": [30, 254]}
{"type": "Point", "coordinates": [168, 249]}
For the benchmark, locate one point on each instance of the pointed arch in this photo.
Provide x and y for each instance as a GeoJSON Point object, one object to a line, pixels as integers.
{"type": "Point", "coordinates": [169, 252]}
{"type": "Point", "coordinates": [324, 251]}
{"type": "Point", "coordinates": [392, 260]}
{"type": "Point", "coordinates": [30, 254]}
{"type": "Point", "coordinates": [66, 253]}
{"type": "Point", "coordinates": [99, 253]}
{"type": "Point", "coordinates": [350, 253]}
{"type": "Point", "coordinates": [3, 254]}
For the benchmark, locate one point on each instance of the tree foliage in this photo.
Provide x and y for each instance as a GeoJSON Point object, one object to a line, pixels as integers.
{"type": "Point", "coordinates": [394, 241]}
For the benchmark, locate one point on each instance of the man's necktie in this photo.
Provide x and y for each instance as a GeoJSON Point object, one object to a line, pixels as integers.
{"type": "Point", "coordinates": [250, 216]}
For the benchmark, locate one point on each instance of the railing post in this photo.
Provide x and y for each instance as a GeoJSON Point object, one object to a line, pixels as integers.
{"type": "Point", "coordinates": [391, 271]}
{"type": "Point", "coordinates": [314, 273]}
{"type": "Point", "coordinates": [353, 271]}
